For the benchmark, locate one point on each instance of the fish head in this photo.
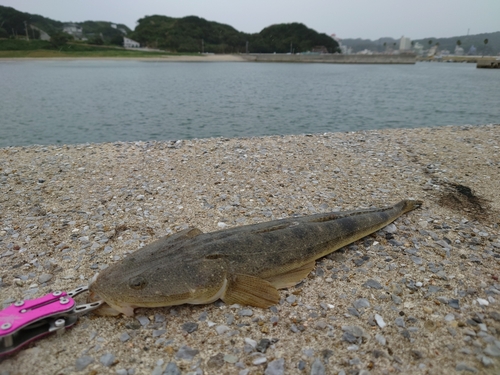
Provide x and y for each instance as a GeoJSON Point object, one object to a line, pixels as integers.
{"type": "Point", "coordinates": [143, 281]}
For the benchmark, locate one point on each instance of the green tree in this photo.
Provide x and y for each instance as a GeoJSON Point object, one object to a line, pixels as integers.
{"type": "Point", "coordinates": [3, 33]}
{"type": "Point", "coordinates": [60, 39]}
{"type": "Point", "coordinates": [97, 40]}
{"type": "Point", "coordinates": [117, 40]}
{"type": "Point", "coordinates": [485, 43]}
{"type": "Point", "coordinates": [459, 43]}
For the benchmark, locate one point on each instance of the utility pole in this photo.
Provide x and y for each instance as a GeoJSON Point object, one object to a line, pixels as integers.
{"type": "Point", "coordinates": [26, 28]}
{"type": "Point", "coordinates": [291, 49]}
{"type": "Point", "coordinates": [202, 46]}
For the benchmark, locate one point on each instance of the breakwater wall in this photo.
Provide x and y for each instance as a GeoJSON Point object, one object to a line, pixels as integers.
{"type": "Point", "coordinates": [488, 63]}
{"type": "Point", "coordinates": [332, 59]}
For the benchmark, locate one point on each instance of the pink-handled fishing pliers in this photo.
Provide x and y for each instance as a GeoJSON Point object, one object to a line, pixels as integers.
{"type": "Point", "coordinates": [25, 321]}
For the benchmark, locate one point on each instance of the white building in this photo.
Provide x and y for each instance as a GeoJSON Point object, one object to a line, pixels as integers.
{"type": "Point", "coordinates": [418, 48]}
{"type": "Point", "coordinates": [345, 50]}
{"type": "Point", "coordinates": [404, 44]}
{"type": "Point", "coordinates": [459, 51]}
{"type": "Point", "coordinates": [432, 51]}
{"type": "Point", "coordinates": [129, 43]}
{"type": "Point", "coordinates": [73, 29]}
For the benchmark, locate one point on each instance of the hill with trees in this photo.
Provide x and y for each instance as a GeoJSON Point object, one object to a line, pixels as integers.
{"type": "Point", "coordinates": [186, 34]}
{"type": "Point", "coordinates": [13, 25]}
{"type": "Point", "coordinates": [195, 34]}
{"type": "Point", "coordinates": [492, 47]}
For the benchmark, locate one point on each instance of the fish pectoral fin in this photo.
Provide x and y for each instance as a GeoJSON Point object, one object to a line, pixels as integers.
{"type": "Point", "coordinates": [251, 290]}
{"type": "Point", "coordinates": [291, 277]}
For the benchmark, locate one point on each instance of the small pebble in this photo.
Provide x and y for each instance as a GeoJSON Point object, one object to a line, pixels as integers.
{"type": "Point", "coordinates": [492, 350]}
{"type": "Point", "coordinates": [143, 320]}
{"type": "Point", "coordinates": [172, 369]}
{"type": "Point", "coordinates": [361, 303]}
{"type": "Point", "coordinates": [107, 359]}
{"type": "Point", "coordinates": [487, 362]}
{"type": "Point", "coordinates": [44, 277]}
{"type": "Point", "coordinates": [229, 358]}
{"type": "Point", "coordinates": [82, 362]}
{"type": "Point", "coordinates": [391, 228]}
{"type": "Point", "coordinates": [263, 345]}
{"type": "Point", "coordinates": [276, 367]}
{"type": "Point", "coordinates": [400, 322]}
{"type": "Point", "coordinates": [449, 317]}
{"type": "Point", "coordinates": [245, 312]}
{"type": "Point", "coordinates": [483, 302]}
{"type": "Point", "coordinates": [291, 298]}
{"type": "Point", "coordinates": [374, 284]}
{"type": "Point", "coordinates": [216, 361]}
{"type": "Point", "coordinates": [124, 337]}
{"type": "Point", "coordinates": [190, 327]}
{"type": "Point", "coordinates": [454, 303]}
{"type": "Point", "coordinates": [380, 321]}
{"type": "Point", "coordinates": [380, 338]}
{"type": "Point", "coordinates": [318, 368]}
{"type": "Point", "coordinates": [250, 342]}
{"type": "Point", "coordinates": [185, 352]}
{"type": "Point", "coordinates": [221, 329]}
{"type": "Point", "coordinates": [464, 367]}
{"type": "Point", "coordinates": [259, 360]}
{"type": "Point", "coordinates": [158, 332]}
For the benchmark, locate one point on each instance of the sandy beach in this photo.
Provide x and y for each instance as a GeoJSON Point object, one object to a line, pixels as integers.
{"type": "Point", "coordinates": [421, 296]}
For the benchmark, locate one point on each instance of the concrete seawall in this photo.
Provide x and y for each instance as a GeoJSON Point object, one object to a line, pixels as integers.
{"type": "Point", "coordinates": [333, 59]}
{"type": "Point", "coordinates": [488, 63]}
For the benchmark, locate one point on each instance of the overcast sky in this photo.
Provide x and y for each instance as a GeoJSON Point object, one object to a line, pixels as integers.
{"type": "Point", "coordinates": [367, 19]}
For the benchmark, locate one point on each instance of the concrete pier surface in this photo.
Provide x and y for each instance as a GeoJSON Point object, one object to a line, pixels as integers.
{"type": "Point", "coordinates": [421, 296]}
{"type": "Point", "coordinates": [332, 58]}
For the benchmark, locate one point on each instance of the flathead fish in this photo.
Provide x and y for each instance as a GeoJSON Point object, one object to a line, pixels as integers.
{"type": "Point", "coordinates": [245, 265]}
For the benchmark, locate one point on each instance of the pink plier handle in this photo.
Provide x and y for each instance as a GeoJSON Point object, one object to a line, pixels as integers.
{"type": "Point", "coordinates": [25, 321]}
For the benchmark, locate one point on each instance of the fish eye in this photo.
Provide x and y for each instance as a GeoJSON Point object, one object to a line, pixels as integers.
{"type": "Point", "coordinates": [137, 282]}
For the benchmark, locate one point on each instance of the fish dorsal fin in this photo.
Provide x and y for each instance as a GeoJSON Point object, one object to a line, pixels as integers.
{"type": "Point", "coordinates": [291, 277]}
{"type": "Point", "coordinates": [251, 290]}
{"type": "Point", "coordinates": [185, 234]}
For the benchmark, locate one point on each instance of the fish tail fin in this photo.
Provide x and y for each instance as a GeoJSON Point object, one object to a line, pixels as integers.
{"type": "Point", "coordinates": [409, 205]}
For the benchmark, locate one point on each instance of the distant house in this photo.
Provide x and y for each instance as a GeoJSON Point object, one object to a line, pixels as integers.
{"type": "Point", "coordinates": [419, 49]}
{"type": "Point", "coordinates": [73, 29]}
{"type": "Point", "coordinates": [319, 49]}
{"type": "Point", "coordinates": [404, 44]}
{"type": "Point", "coordinates": [459, 51]}
{"type": "Point", "coordinates": [129, 43]}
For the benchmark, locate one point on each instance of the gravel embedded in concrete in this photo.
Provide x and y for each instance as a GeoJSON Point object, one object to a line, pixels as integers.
{"type": "Point", "coordinates": [432, 276]}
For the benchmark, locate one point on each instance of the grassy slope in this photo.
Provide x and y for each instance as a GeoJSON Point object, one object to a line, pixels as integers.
{"type": "Point", "coordinates": [103, 53]}
{"type": "Point", "coordinates": [38, 48]}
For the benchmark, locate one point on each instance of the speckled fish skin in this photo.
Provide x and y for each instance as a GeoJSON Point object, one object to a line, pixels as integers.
{"type": "Point", "coordinates": [245, 264]}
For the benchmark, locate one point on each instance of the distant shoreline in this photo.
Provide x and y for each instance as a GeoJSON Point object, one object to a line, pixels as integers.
{"type": "Point", "coordinates": [166, 58]}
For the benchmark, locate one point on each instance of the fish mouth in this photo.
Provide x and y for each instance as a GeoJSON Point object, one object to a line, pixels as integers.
{"type": "Point", "coordinates": [105, 309]}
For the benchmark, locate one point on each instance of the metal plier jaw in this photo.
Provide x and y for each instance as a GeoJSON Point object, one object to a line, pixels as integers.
{"type": "Point", "coordinates": [25, 321]}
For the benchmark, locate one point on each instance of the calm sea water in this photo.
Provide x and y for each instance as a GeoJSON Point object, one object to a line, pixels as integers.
{"type": "Point", "coordinates": [61, 102]}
